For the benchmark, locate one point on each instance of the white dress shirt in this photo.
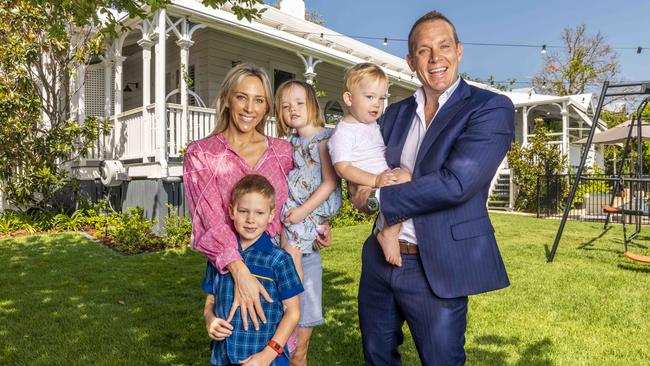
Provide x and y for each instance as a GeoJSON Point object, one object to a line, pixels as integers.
{"type": "Point", "coordinates": [412, 146]}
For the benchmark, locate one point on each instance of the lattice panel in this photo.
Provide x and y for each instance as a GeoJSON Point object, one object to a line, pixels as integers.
{"type": "Point", "coordinates": [94, 92]}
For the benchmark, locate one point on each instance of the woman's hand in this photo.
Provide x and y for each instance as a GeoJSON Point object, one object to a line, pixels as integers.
{"type": "Point", "coordinates": [262, 358]}
{"type": "Point", "coordinates": [247, 295]}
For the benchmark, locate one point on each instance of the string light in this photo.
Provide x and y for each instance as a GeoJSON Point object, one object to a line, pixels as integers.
{"type": "Point", "coordinates": [543, 47]}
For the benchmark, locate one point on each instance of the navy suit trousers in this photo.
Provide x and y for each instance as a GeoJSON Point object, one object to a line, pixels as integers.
{"type": "Point", "coordinates": [390, 295]}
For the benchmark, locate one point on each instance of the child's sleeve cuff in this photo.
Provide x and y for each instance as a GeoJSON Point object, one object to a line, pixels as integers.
{"type": "Point", "coordinates": [284, 295]}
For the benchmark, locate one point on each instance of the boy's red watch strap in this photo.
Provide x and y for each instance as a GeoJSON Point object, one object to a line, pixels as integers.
{"type": "Point", "coordinates": [276, 346]}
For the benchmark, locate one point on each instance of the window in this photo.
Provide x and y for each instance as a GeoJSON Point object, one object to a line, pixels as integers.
{"type": "Point", "coordinates": [280, 77]}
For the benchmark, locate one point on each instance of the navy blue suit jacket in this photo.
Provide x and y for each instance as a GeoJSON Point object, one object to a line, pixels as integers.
{"type": "Point", "coordinates": [446, 198]}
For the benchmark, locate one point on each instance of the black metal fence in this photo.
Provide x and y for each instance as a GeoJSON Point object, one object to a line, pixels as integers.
{"type": "Point", "coordinates": [591, 196]}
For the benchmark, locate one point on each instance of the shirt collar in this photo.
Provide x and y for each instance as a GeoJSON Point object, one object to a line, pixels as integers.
{"type": "Point", "coordinates": [444, 97]}
{"type": "Point", "coordinates": [263, 243]}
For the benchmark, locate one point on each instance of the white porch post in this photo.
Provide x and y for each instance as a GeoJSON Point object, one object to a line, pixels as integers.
{"type": "Point", "coordinates": [146, 45]}
{"type": "Point", "coordinates": [565, 131]}
{"type": "Point", "coordinates": [184, 43]}
{"type": "Point", "coordinates": [108, 75]}
{"type": "Point", "coordinates": [160, 109]}
{"type": "Point", "coordinates": [524, 132]}
{"type": "Point", "coordinates": [310, 63]}
{"type": "Point", "coordinates": [80, 99]}
{"type": "Point", "coordinates": [119, 60]}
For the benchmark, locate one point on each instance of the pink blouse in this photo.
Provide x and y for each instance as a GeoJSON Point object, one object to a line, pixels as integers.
{"type": "Point", "coordinates": [210, 170]}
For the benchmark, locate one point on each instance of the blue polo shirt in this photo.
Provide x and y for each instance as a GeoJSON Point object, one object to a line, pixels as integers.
{"type": "Point", "coordinates": [274, 268]}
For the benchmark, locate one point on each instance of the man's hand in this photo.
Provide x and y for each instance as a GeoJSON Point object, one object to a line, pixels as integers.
{"type": "Point", "coordinates": [359, 197]}
{"type": "Point", "coordinates": [385, 179]}
{"type": "Point", "coordinates": [247, 295]}
{"type": "Point", "coordinates": [262, 358]}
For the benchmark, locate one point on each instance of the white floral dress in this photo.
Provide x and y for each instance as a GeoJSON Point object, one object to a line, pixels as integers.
{"type": "Point", "coordinates": [303, 180]}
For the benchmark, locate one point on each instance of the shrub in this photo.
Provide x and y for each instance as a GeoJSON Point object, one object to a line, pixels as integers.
{"type": "Point", "coordinates": [101, 216]}
{"type": "Point", "coordinates": [177, 228]}
{"type": "Point", "coordinates": [13, 221]}
{"type": "Point", "coordinates": [74, 222]}
{"type": "Point", "coordinates": [590, 187]}
{"type": "Point", "coordinates": [133, 232]}
{"type": "Point", "coordinates": [529, 162]}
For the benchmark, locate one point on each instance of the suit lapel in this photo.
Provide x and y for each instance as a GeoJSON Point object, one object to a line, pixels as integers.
{"type": "Point", "coordinates": [399, 131]}
{"type": "Point", "coordinates": [442, 119]}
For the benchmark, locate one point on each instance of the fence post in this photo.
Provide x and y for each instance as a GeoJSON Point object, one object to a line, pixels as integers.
{"type": "Point", "coordinates": [538, 197]}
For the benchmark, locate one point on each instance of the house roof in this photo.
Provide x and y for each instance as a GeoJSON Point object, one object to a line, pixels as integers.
{"type": "Point", "coordinates": [580, 103]}
{"type": "Point", "coordinates": [527, 96]}
{"type": "Point", "coordinates": [283, 30]}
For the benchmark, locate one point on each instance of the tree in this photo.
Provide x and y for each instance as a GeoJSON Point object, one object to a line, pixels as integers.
{"type": "Point", "coordinates": [586, 59]}
{"type": "Point", "coordinates": [42, 44]}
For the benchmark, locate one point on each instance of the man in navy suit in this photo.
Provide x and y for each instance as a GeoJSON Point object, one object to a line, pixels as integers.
{"type": "Point", "coordinates": [452, 138]}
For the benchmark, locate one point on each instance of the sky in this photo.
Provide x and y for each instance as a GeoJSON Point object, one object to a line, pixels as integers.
{"type": "Point", "coordinates": [625, 23]}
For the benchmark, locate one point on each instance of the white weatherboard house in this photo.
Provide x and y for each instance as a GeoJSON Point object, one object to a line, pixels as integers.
{"type": "Point", "coordinates": [140, 86]}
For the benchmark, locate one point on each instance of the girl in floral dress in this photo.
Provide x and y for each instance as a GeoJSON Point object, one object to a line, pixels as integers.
{"type": "Point", "coordinates": [314, 196]}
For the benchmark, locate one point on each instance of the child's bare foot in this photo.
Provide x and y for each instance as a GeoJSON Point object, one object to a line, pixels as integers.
{"type": "Point", "coordinates": [390, 247]}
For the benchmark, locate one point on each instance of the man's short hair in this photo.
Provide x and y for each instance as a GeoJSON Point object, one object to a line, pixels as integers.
{"type": "Point", "coordinates": [430, 17]}
{"type": "Point", "coordinates": [363, 71]}
{"type": "Point", "coordinates": [253, 183]}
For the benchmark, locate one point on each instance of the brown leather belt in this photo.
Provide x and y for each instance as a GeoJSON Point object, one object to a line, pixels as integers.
{"type": "Point", "coordinates": [408, 248]}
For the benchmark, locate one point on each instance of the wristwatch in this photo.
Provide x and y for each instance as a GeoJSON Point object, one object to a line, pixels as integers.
{"type": "Point", "coordinates": [372, 203]}
{"type": "Point", "coordinates": [275, 346]}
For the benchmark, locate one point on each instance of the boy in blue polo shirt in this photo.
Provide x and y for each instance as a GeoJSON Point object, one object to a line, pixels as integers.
{"type": "Point", "coordinates": [251, 210]}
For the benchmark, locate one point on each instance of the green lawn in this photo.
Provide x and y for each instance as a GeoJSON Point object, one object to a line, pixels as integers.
{"type": "Point", "coordinates": [67, 300]}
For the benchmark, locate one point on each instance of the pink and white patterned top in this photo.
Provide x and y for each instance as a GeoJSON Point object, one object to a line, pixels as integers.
{"type": "Point", "coordinates": [210, 170]}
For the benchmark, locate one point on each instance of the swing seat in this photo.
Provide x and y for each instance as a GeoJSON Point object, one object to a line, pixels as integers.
{"type": "Point", "coordinates": [644, 259]}
{"type": "Point", "coordinates": [610, 209]}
